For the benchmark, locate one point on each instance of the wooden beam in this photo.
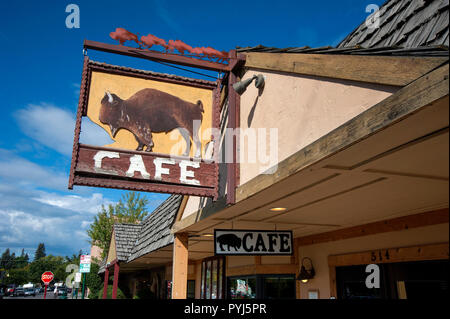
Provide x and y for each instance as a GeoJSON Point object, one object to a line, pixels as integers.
{"type": "Point", "coordinates": [180, 266]}
{"type": "Point", "coordinates": [440, 216]}
{"type": "Point", "coordinates": [392, 255]}
{"type": "Point", "coordinates": [405, 102]}
{"type": "Point", "coordinates": [387, 70]}
{"type": "Point", "coordinates": [157, 56]}
{"type": "Point", "coordinates": [181, 208]}
{"type": "Point", "coordinates": [261, 269]}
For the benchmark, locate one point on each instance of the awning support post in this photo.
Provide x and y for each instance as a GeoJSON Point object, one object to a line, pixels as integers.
{"type": "Point", "coordinates": [116, 280]}
{"type": "Point", "coordinates": [105, 283]}
{"type": "Point", "coordinates": [180, 266]}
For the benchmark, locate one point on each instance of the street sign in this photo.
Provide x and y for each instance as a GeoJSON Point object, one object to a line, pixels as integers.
{"type": "Point", "coordinates": [85, 259]}
{"type": "Point", "coordinates": [78, 277]}
{"type": "Point", "coordinates": [85, 268]}
{"type": "Point", "coordinates": [85, 263]}
{"type": "Point", "coordinates": [47, 277]}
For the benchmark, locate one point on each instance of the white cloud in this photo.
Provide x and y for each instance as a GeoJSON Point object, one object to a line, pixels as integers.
{"type": "Point", "coordinates": [24, 228]}
{"type": "Point", "coordinates": [23, 172]}
{"type": "Point", "coordinates": [54, 127]}
{"type": "Point", "coordinates": [91, 205]}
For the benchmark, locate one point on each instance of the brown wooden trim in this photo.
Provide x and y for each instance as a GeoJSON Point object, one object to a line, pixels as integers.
{"type": "Point", "coordinates": [82, 102]}
{"type": "Point", "coordinates": [392, 255]}
{"type": "Point", "coordinates": [387, 70]}
{"type": "Point", "coordinates": [156, 56]}
{"type": "Point", "coordinates": [232, 116]}
{"type": "Point", "coordinates": [405, 102]}
{"type": "Point", "coordinates": [182, 207]}
{"type": "Point", "coordinates": [440, 216]}
{"type": "Point", "coordinates": [117, 168]}
{"type": "Point", "coordinates": [148, 75]}
{"type": "Point", "coordinates": [216, 139]}
{"type": "Point", "coordinates": [261, 270]}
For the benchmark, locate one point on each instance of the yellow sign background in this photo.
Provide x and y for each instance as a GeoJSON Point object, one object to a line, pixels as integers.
{"type": "Point", "coordinates": [125, 86]}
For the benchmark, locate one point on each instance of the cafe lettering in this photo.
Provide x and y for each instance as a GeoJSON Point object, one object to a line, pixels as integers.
{"type": "Point", "coordinates": [250, 242]}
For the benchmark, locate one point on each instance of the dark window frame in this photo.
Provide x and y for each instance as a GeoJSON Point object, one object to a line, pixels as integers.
{"type": "Point", "coordinates": [221, 280]}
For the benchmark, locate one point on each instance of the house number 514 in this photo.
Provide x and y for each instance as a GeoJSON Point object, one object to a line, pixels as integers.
{"type": "Point", "coordinates": [378, 256]}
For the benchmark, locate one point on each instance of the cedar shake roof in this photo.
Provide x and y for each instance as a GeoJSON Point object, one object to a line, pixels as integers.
{"type": "Point", "coordinates": [153, 233]}
{"type": "Point", "coordinates": [404, 23]}
{"type": "Point", "coordinates": [125, 236]}
{"type": "Point", "coordinates": [406, 28]}
{"type": "Point", "coordinates": [155, 229]}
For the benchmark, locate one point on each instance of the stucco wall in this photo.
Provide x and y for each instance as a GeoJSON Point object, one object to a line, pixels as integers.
{"type": "Point", "coordinates": [302, 109]}
{"type": "Point", "coordinates": [319, 253]}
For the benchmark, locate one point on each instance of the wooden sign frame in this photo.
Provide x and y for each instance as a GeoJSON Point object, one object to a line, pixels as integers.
{"type": "Point", "coordinates": [112, 173]}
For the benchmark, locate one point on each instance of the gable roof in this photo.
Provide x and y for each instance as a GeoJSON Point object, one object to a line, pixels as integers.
{"type": "Point", "coordinates": [406, 24]}
{"type": "Point", "coordinates": [155, 232]}
{"type": "Point", "coordinates": [125, 236]}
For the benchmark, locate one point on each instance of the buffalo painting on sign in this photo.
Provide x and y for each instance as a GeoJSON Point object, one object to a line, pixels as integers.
{"type": "Point", "coordinates": [162, 127]}
{"type": "Point", "coordinates": [141, 114]}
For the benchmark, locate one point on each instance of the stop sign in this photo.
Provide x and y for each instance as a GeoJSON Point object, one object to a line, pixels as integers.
{"type": "Point", "coordinates": [47, 277]}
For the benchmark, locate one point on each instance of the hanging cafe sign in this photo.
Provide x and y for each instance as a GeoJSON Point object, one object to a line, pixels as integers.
{"type": "Point", "coordinates": [160, 124]}
{"type": "Point", "coordinates": [252, 242]}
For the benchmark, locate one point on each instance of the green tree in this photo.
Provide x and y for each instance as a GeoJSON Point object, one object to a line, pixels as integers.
{"type": "Point", "coordinates": [40, 251]}
{"type": "Point", "coordinates": [22, 260]}
{"type": "Point", "coordinates": [17, 276]}
{"type": "Point", "coordinates": [6, 261]}
{"type": "Point", "coordinates": [93, 281]}
{"type": "Point", "coordinates": [55, 264]}
{"type": "Point", "coordinates": [131, 209]}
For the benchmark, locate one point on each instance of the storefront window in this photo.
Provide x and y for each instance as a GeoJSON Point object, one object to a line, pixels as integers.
{"type": "Point", "coordinates": [212, 278]}
{"type": "Point", "coordinates": [262, 287]}
{"type": "Point", "coordinates": [242, 288]}
{"type": "Point", "coordinates": [276, 287]}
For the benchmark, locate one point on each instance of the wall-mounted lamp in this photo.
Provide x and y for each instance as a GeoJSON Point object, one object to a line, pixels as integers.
{"type": "Point", "coordinates": [306, 274]}
{"type": "Point", "coordinates": [241, 86]}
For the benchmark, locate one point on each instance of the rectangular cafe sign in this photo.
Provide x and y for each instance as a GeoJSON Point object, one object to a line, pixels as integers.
{"type": "Point", "coordinates": [253, 242]}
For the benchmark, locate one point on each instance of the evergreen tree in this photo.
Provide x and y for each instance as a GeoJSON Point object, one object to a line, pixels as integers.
{"type": "Point", "coordinates": [40, 251]}
{"type": "Point", "coordinates": [5, 261]}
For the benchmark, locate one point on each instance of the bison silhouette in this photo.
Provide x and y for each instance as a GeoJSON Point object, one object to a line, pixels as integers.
{"type": "Point", "coordinates": [152, 111]}
{"type": "Point", "coordinates": [230, 240]}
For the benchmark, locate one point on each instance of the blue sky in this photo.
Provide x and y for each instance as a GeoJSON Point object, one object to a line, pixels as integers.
{"type": "Point", "coordinates": [39, 87]}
